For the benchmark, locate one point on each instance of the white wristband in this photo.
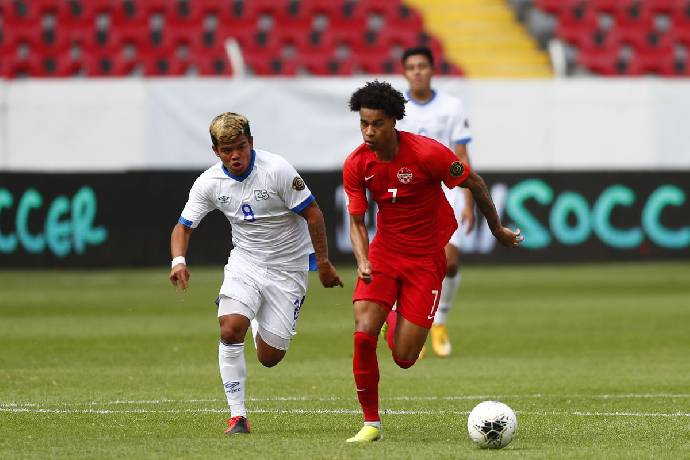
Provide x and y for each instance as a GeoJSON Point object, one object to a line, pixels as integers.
{"type": "Point", "coordinates": [178, 260]}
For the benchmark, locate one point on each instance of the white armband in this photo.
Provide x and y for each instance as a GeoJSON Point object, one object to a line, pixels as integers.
{"type": "Point", "coordinates": [178, 260]}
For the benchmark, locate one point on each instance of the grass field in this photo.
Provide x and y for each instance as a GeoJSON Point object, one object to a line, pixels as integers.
{"type": "Point", "coordinates": [595, 360]}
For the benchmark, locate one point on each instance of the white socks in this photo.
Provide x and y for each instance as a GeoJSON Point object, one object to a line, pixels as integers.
{"type": "Point", "coordinates": [233, 372]}
{"type": "Point", "coordinates": [448, 289]}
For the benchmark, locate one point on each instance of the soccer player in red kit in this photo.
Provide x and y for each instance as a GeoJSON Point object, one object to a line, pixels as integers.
{"type": "Point", "coordinates": [405, 263]}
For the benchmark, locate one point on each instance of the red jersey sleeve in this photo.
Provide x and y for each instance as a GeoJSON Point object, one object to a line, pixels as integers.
{"type": "Point", "coordinates": [444, 164]}
{"type": "Point", "coordinates": [353, 183]}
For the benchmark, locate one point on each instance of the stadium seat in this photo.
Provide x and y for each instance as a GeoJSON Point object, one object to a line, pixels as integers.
{"type": "Point", "coordinates": [194, 32]}
{"type": "Point", "coordinates": [557, 6]}
{"type": "Point", "coordinates": [608, 62]}
{"type": "Point", "coordinates": [577, 27]}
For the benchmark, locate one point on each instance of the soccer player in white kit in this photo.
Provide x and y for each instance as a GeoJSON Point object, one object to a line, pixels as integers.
{"type": "Point", "coordinates": [441, 117]}
{"type": "Point", "coordinates": [278, 235]}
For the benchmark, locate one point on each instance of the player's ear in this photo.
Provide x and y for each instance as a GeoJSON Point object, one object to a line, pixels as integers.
{"type": "Point", "coordinates": [215, 150]}
{"type": "Point", "coordinates": [251, 142]}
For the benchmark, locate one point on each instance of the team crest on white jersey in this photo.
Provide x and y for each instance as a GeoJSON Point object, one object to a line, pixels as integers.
{"type": "Point", "coordinates": [223, 199]}
{"type": "Point", "coordinates": [405, 175]}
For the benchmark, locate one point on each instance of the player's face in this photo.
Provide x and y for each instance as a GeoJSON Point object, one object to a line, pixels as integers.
{"type": "Point", "coordinates": [418, 72]}
{"type": "Point", "coordinates": [378, 129]}
{"type": "Point", "coordinates": [235, 155]}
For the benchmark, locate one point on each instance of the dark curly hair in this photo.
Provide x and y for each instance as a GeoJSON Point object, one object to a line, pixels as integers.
{"type": "Point", "coordinates": [379, 95]}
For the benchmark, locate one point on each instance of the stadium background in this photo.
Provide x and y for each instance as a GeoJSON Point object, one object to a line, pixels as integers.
{"type": "Point", "coordinates": [579, 115]}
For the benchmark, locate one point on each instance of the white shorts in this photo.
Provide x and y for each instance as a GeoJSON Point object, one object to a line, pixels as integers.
{"type": "Point", "coordinates": [456, 198]}
{"type": "Point", "coordinates": [271, 297]}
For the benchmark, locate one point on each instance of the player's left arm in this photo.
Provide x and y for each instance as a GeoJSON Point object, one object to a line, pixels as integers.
{"type": "Point", "coordinates": [462, 153]}
{"type": "Point", "coordinates": [482, 197]}
{"type": "Point", "coordinates": [317, 231]}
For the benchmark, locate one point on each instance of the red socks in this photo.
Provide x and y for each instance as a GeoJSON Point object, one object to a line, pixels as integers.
{"type": "Point", "coordinates": [365, 367]}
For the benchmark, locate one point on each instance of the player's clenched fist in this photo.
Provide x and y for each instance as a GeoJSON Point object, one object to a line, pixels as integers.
{"type": "Point", "coordinates": [364, 271]}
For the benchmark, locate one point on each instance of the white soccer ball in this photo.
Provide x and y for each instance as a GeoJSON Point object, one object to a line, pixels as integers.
{"type": "Point", "coordinates": [492, 425]}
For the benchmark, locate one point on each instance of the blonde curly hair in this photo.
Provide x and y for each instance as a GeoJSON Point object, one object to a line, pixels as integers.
{"type": "Point", "coordinates": [227, 127]}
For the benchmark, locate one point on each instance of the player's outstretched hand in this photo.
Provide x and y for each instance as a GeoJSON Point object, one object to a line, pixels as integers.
{"type": "Point", "coordinates": [509, 238]}
{"type": "Point", "coordinates": [364, 271]}
{"type": "Point", "coordinates": [329, 276]}
{"type": "Point", "coordinates": [179, 277]}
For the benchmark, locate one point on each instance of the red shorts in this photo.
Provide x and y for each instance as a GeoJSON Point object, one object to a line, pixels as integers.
{"type": "Point", "coordinates": [413, 282]}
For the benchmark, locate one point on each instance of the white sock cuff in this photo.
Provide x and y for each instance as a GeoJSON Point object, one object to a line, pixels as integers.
{"type": "Point", "coordinates": [230, 350]}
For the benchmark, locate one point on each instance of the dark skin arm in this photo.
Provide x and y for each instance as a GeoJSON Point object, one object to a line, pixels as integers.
{"type": "Point", "coordinates": [179, 242]}
{"type": "Point", "coordinates": [317, 231]}
{"type": "Point", "coordinates": [359, 236]}
{"type": "Point", "coordinates": [482, 197]}
{"type": "Point", "coordinates": [468, 211]}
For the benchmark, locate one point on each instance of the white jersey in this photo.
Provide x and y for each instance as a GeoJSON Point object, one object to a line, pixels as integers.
{"type": "Point", "coordinates": [262, 207]}
{"type": "Point", "coordinates": [441, 118]}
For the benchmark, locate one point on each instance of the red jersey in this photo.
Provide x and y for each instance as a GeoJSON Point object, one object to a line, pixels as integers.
{"type": "Point", "coordinates": [414, 217]}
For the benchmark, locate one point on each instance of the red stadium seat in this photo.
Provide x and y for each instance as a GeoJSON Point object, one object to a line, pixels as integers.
{"type": "Point", "coordinates": [577, 27]}
{"type": "Point", "coordinates": [557, 6]}
{"type": "Point", "coordinates": [608, 62]}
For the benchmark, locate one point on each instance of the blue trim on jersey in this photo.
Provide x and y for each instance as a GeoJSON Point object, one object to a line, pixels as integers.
{"type": "Point", "coordinates": [312, 262]}
{"type": "Point", "coordinates": [246, 174]}
{"type": "Point", "coordinates": [464, 141]}
{"type": "Point", "coordinates": [185, 222]}
{"type": "Point", "coordinates": [415, 102]}
{"type": "Point", "coordinates": [300, 207]}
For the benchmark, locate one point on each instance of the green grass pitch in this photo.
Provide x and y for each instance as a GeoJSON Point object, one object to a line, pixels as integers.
{"type": "Point", "coordinates": [595, 360]}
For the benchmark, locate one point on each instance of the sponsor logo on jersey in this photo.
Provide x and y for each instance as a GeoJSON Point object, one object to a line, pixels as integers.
{"type": "Point", "coordinates": [298, 183]}
{"type": "Point", "coordinates": [223, 199]}
{"type": "Point", "coordinates": [405, 175]}
{"type": "Point", "coordinates": [456, 169]}
{"type": "Point", "coordinates": [261, 195]}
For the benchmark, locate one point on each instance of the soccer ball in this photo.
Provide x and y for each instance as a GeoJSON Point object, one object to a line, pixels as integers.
{"type": "Point", "coordinates": [492, 425]}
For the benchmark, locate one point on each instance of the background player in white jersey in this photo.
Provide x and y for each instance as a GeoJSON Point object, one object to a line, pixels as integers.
{"type": "Point", "coordinates": [278, 234]}
{"type": "Point", "coordinates": [440, 116]}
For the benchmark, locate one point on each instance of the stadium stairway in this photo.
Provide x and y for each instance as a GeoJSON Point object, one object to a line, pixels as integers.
{"type": "Point", "coordinates": [484, 38]}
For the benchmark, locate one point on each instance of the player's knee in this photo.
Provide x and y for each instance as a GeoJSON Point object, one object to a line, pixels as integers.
{"type": "Point", "coordinates": [452, 270]}
{"type": "Point", "coordinates": [404, 363]}
{"type": "Point", "coordinates": [231, 333]}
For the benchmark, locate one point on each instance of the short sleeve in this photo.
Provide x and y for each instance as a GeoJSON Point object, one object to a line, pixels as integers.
{"type": "Point", "coordinates": [355, 190]}
{"type": "Point", "coordinates": [292, 188]}
{"type": "Point", "coordinates": [445, 166]}
{"type": "Point", "coordinates": [461, 133]}
{"type": "Point", "coordinates": [198, 205]}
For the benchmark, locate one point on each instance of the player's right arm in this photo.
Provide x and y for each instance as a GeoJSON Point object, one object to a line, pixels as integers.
{"type": "Point", "coordinates": [179, 242]}
{"type": "Point", "coordinates": [357, 204]}
{"type": "Point", "coordinates": [359, 237]}
{"type": "Point", "coordinates": [198, 205]}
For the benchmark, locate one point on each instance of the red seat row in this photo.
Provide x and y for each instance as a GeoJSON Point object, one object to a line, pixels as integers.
{"type": "Point", "coordinates": [176, 37]}
{"type": "Point", "coordinates": [632, 43]}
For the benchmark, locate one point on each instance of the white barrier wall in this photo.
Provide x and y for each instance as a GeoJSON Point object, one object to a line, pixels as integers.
{"type": "Point", "coordinates": [97, 125]}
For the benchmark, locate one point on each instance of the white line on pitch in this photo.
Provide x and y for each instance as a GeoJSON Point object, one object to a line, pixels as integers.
{"type": "Point", "coordinates": [337, 398]}
{"type": "Point", "coordinates": [325, 411]}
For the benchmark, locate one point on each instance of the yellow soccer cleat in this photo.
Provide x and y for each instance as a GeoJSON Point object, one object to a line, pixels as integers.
{"type": "Point", "coordinates": [440, 342]}
{"type": "Point", "coordinates": [368, 433]}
